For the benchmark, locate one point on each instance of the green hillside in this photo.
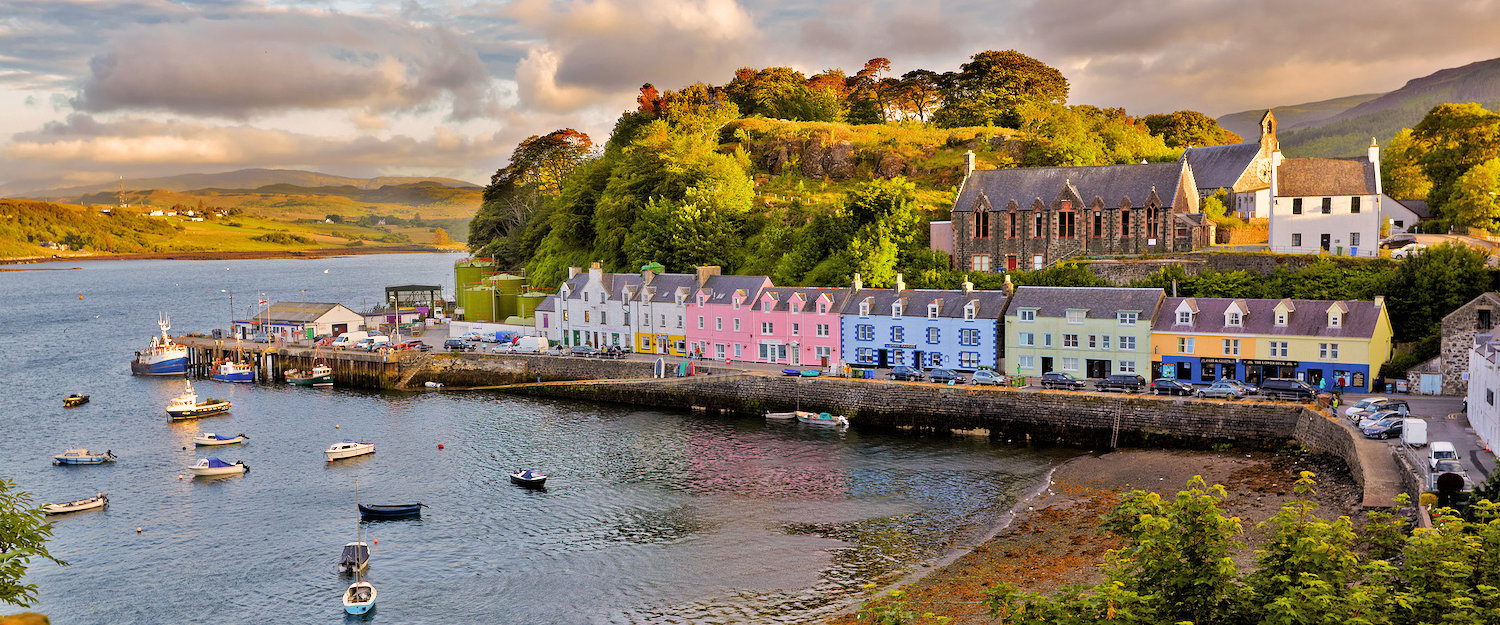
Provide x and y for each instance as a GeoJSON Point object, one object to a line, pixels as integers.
{"type": "Point", "coordinates": [1292, 117]}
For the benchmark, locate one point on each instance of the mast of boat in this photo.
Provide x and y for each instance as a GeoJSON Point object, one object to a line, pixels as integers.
{"type": "Point", "coordinates": [359, 534]}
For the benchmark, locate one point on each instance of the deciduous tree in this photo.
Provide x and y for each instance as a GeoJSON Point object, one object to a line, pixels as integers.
{"type": "Point", "coordinates": [24, 531]}
{"type": "Point", "coordinates": [990, 90]}
{"type": "Point", "coordinates": [1189, 128]}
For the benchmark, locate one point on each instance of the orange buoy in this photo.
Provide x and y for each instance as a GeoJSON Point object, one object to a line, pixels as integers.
{"type": "Point", "coordinates": [80, 296]}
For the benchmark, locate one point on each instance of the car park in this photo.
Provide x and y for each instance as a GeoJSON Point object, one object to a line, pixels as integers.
{"type": "Point", "coordinates": [903, 372]}
{"type": "Point", "coordinates": [1223, 389]}
{"type": "Point", "coordinates": [946, 375]}
{"type": "Point", "coordinates": [1287, 388]}
{"type": "Point", "coordinates": [988, 376]}
{"type": "Point", "coordinates": [1367, 404]}
{"type": "Point", "coordinates": [1389, 427]}
{"type": "Point", "coordinates": [1129, 383]}
{"type": "Point", "coordinates": [1054, 379]}
{"type": "Point", "coordinates": [1165, 386]}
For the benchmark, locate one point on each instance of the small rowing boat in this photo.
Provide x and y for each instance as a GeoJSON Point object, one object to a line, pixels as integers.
{"type": "Point", "coordinates": [97, 501]}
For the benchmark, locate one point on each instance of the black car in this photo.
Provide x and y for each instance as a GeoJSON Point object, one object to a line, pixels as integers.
{"type": "Point", "coordinates": [1287, 388]}
{"type": "Point", "coordinates": [1389, 427]}
{"type": "Point", "coordinates": [583, 351]}
{"type": "Point", "coordinates": [1164, 386]}
{"type": "Point", "coordinates": [945, 375]}
{"type": "Point", "coordinates": [1053, 379]}
{"type": "Point", "coordinates": [1127, 382]}
{"type": "Point", "coordinates": [903, 372]}
{"type": "Point", "coordinates": [457, 345]}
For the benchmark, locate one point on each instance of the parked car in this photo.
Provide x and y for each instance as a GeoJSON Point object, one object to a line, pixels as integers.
{"type": "Point", "coordinates": [1165, 386]}
{"type": "Point", "coordinates": [1287, 388]}
{"type": "Point", "coordinates": [1365, 421]}
{"type": "Point", "coordinates": [583, 351]}
{"type": "Point", "coordinates": [946, 375]}
{"type": "Point", "coordinates": [490, 337]}
{"type": "Point", "coordinates": [416, 344]}
{"type": "Point", "coordinates": [1245, 387]}
{"type": "Point", "coordinates": [1223, 389]}
{"type": "Point", "coordinates": [457, 345]}
{"type": "Point", "coordinates": [1053, 379]}
{"type": "Point", "coordinates": [987, 376]}
{"type": "Point", "coordinates": [1127, 382]}
{"type": "Point", "coordinates": [1367, 404]}
{"type": "Point", "coordinates": [1449, 466]}
{"type": "Point", "coordinates": [1389, 427]}
{"type": "Point", "coordinates": [614, 351]}
{"type": "Point", "coordinates": [472, 337]}
{"type": "Point", "coordinates": [903, 372]}
{"type": "Point", "coordinates": [1389, 405]}
{"type": "Point", "coordinates": [260, 338]}
{"type": "Point", "coordinates": [1439, 451]}
{"type": "Point", "coordinates": [1407, 251]}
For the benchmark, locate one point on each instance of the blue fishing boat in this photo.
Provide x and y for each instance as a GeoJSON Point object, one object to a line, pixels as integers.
{"type": "Point", "coordinates": [161, 356]}
{"type": "Point", "coordinates": [530, 478]}
{"type": "Point", "coordinates": [390, 511]}
{"type": "Point", "coordinates": [83, 456]}
{"type": "Point", "coordinates": [229, 371]}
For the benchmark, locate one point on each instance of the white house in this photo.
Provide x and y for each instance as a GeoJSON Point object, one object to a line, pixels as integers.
{"type": "Point", "coordinates": [1326, 205]}
{"type": "Point", "coordinates": [659, 309]}
{"type": "Point", "coordinates": [594, 309]}
{"type": "Point", "coordinates": [547, 318]}
{"type": "Point", "coordinates": [1484, 384]}
{"type": "Point", "coordinates": [289, 321]}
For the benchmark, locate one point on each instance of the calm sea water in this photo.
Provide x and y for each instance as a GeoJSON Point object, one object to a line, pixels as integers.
{"type": "Point", "coordinates": [650, 517]}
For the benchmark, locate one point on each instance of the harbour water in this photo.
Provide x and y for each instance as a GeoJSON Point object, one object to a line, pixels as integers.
{"type": "Point", "coordinates": [649, 516]}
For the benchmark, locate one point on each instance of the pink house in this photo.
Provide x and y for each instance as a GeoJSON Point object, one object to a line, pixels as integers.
{"type": "Point", "coordinates": [721, 317]}
{"type": "Point", "coordinates": [797, 326]}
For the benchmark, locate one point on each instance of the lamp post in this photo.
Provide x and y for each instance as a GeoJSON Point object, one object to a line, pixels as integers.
{"type": "Point", "coordinates": [231, 309]}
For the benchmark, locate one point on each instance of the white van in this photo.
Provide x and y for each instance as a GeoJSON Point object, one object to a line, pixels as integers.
{"type": "Point", "coordinates": [1440, 450]}
{"type": "Point", "coordinates": [530, 344]}
{"type": "Point", "coordinates": [372, 342]}
{"type": "Point", "coordinates": [348, 339]}
{"type": "Point", "coordinates": [1414, 432]}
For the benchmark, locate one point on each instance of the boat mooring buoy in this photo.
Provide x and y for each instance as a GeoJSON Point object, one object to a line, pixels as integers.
{"type": "Point", "coordinates": [335, 426]}
{"type": "Point", "coordinates": [440, 445]}
{"type": "Point", "coordinates": [138, 530]}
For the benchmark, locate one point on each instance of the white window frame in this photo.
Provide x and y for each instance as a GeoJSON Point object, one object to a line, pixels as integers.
{"type": "Point", "coordinates": [1128, 318]}
{"type": "Point", "coordinates": [1026, 362]}
{"type": "Point", "coordinates": [822, 329]}
{"type": "Point", "coordinates": [1127, 343]}
{"type": "Point", "coordinates": [1075, 316]}
{"type": "Point", "coordinates": [932, 336]}
{"type": "Point", "coordinates": [1185, 345]}
{"type": "Point", "coordinates": [932, 311]}
{"type": "Point", "coordinates": [1231, 347]}
{"type": "Point", "coordinates": [1184, 317]}
{"type": "Point", "coordinates": [736, 324]}
{"type": "Point", "coordinates": [1070, 341]}
{"type": "Point", "coordinates": [700, 322]}
{"type": "Point", "coordinates": [1027, 315]}
{"type": "Point", "coordinates": [767, 328]}
{"type": "Point", "coordinates": [970, 311]}
{"type": "Point", "coordinates": [1026, 339]}
{"type": "Point", "coordinates": [896, 310]}
{"type": "Point", "coordinates": [1069, 363]}
{"type": "Point", "coordinates": [1125, 366]}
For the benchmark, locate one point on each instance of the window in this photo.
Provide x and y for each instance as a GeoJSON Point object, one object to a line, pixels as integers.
{"type": "Point", "coordinates": [932, 335]}
{"type": "Point", "coordinates": [1124, 222]}
{"type": "Point", "coordinates": [1098, 224]}
{"type": "Point", "coordinates": [1206, 372]}
{"type": "Point", "coordinates": [898, 334]}
{"type": "Point", "coordinates": [1150, 223]}
{"type": "Point", "coordinates": [1184, 317]}
{"type": "Point", "coordinates": [1128, 318]}
{"type": "Point", "coordinates": [1335, 320]}
{"type": "Point", "coordinates": [1093, 341]}
{"type": "Point", "coordinates": [1231, 347]}
{"type": "Point", "coordinates": [1297, 206]}
{"type": "Point", "coordinates": [864, 332]}
{"type": "Point", "coordinates": [1012, 225]}
{"type": "Point", "coordinates": [585, 296]}
{"type": "Point", "coordinates": [679, 322]}
{"type": "Point", "coordinates": [864, 354]}
{"type": "Point", "coordinates": [663, 321]}
{"type": "Point", "coordinates": [767, 327]}
{"type": "Point", "coordinates": [1281, 320]}
{"type": "Point", "coordinates": [968, 360]}
{"type": "Point", "coordinates": [585, 316]}
{"type": "Point", "coordinates": [968, 336]}
{"type": "Point", "coordinates": [1327, 206]}
{"type": "Point", "coordinates": [736, 350]}
{"type": "Point", "coordinates": [969, 311]}
{"type": "Point", "coordinates": [1027, 314]}
{"type": "Point", "coordinates": [1328, 351]}
{"type": "Point", "coordinates": [1127, 343]}
{"type": "Point", "coordinates": [864, 308]}
{"type": "Point", "coordinates": [1104, 341]}
{"type": "Point", "coordinates": [898, 356]}
{"type": "Point", "coordinates": [1039, 225]}
{"type": "Point", "coordinates": [1279, 348]}
{"type": "Point", "coordinates": [1353, 239]}
{"type": "Point", "coordinates": [981, 262]}
{"type": "Point", "coordinates": [1184, 345]}
{"type": "Point", "coordinates": [765, 306]}
{"type": "Point", "coordinates": [718, 351]}
{"type": "Point", "coordinates": [1489, 397]}
{"type": "Point", "coordinates": [1354, 207]}
{"type": "Point", "coordinates": [718, 323]}
{"type": "Point", "coordinates": [1046, 339]}
{"type": "Point", "coordinates": [932, 311]}
{"type": "Point", "coordinates": [1065, 224]}
{"type": "Point", "coordinates": [823, 351]}
{"type": "Point", "coordinates": [1232, 318]}
{"type": "Point", "coordinates": [936, 359]}
{"type": "Point", "coordinates": [1296, 239]}
{"type": "Point", "coordinates": [982, 225]}
{"type": "Point", "coordinates": [700, 322]}
{"type": "Point", "coordinates": [822, 308]}
{"type": "Point", "coordinates": [896, 309]}
{"type": "Point", "coordinates": [1070, 341]}
{"type": "Point", "coordinates": [1027, 339]}
{"type": "Point", "coordinates": [1075, 316]}
{"type": "Point", "coordinates": [1484, 319]}
{"type": "Point", "coordinates": [603, 317]}
{"type": "Point", "coordinates": [1127, 366]}
{"type": "Point", "coordinates": [796, 329]}
{"type": "Point", "coordinates": [1069, 364]}
{"type": "Point", "coordinates": [565, 314]}
{"type": "Point", "coordinates": [1026, 361]}
{"type": "Point", "coordinates": [822, 329]}
{"type": "Point", "coordinates": [736, 325]}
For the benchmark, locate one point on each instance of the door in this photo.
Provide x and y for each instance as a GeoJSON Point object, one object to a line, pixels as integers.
{"type": "Point", "coordinates": [1326, 241]}
{"type": "Point", "coordinates": [916, 359]}
{"type": "Point", "coordinates": [1097, 368]}
{"type": "Point", "coordinates": [1011, 262]}
{"type": "Point", "coordinates": [1185, 371]}
{"type": "Point", "coordinates": [1431, 384]}
{"type": "Point", "coordinates": [340, 328]}
{"type": "Point", "coordinates": [1046, 364]}
{"type": "Point", "coordinates": [885, 358]}
{"type": "Point", "coordinates": [797, 356]}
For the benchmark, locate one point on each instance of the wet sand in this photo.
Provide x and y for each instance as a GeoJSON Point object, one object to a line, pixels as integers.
{"type": "Point", "coordinates": [1055, 540]}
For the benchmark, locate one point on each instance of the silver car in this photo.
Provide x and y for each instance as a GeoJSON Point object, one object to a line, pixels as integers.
{"type": "Point", "coordinates": [1222, 390]}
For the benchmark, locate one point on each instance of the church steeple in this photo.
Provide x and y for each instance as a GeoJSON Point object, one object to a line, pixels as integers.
{"type": "Point", "coordinates": [1268, 141]}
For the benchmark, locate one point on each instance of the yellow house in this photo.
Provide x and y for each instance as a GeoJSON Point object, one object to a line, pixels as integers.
{"type": "Point", "coordinates": [1335, 344]}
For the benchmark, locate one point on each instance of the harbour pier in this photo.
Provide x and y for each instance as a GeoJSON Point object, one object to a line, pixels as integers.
{"type": "Point", "coordinates": [351, 368]}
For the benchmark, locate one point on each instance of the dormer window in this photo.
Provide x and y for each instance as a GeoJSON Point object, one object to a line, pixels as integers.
{"type": "Point", "coordinates": [1184, 317]}
{"type": "Point", "coordinates": [1232, 319]}
{"type": "Point", "coordinates": [1281, 320]}
{"type": "Point", "coordinates": [1026, 314]}
{"type": "Point", "coordinates": [864, 308]}
{"type": "Point", "coordinates": [765, 306]}
{"type": "Point", "coordinates": [896, 310]}
{"type": "Point", "coordinates": [932, 311]}
{"type": "Point", "coordinates": [1335, 320]}
{"type": "Point", "coordinates": [1075, 315]}
{"type": "Point", "coordinates": [970, 311]}
{"type": "Point", "coordinates": [822, 308]}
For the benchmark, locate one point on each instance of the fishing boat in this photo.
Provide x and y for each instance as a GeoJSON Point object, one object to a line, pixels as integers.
{"type": "Point", "coordinates": [530, 478]}
{"type": "Point", "coordinates": [161, 356]}
{"type": "Point", "coordinates": [389, 511]}
{"type": "Point", "coordinates": [348, 449]}
{"type": "Point", "coordinates": [83, 456]}
{"type": "Point", "coordinates": [75, 400]}
{"type": "Point", "coordinates": [359, 598]}
{"type": "Point", "coordinates": [231, 371]}
{"type": "Point", "coordinates": [187, 406]}
{"type": "Point", "coordinates": [208, 439]}
{"type": "Point", "coordinates": [320, 375]}
{"type": "Point", "coordinates": [356, 557]}
{"type": "Point", "coordinates": [822, 419]}
{"type": "Point", "coordinates": [97, 501]}
{"type": "Point", "coordinates": [206, 467]}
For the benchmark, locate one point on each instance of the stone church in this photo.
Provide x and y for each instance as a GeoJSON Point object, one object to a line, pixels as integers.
{"type": "Point", "coordinates": [1243, 170]}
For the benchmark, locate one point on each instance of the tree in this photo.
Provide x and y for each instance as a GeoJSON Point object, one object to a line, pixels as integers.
{"type": "Point", "coordinates": [1475, 201]}
{"type": "Point", "coordinates": [535, 173]}
{"type": "Point", "coordinates": [1189, 128]}
{"type": "Point", "coordinates": [440, 237]}
{"type": "Point", "coordinates": [24, 531]}
{"type": "Point", "coordinates": [1427, 286]}
{"type": "Point", "coordinates": [1452, 139]}
{"type": "Point", "coordinates": [868, 93]}
{"type": "Point", "coordinates": [1401, 174]}
{"type": "Point", "coordinates": [991, 89]}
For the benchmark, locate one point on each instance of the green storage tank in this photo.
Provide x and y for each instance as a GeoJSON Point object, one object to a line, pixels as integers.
{"type": "Point", "coordinates": [507, 288]}
{"type": "Point", "coordinates": [479, 303]}
{"type": "Point", "coordinates": [467, 272]}
{"type": "Point", "coordinates": [528, 302]}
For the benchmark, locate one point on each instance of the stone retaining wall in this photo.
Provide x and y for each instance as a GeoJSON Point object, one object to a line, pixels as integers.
{"type": "Point", "coordinates": [1320, 433]}
{"type": "Point", "coordinates": [471, 370]}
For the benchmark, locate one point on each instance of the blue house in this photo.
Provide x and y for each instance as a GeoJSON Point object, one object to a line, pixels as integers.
{"type": "Point", "coordinates": [921, 328]}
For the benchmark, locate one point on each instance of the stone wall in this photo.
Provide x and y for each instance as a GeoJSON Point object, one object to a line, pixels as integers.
{"type": "Point", "coordinates": [1459, 329]}
{"type": "Point", "coordinates": [1320, 433]}
{"type": "Point", "coordinates": [470, 370]}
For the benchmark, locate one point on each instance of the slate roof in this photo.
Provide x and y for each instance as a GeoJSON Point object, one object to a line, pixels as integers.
{"type": "Point", "coordinates": [1110, 183]}
{"type": "Point", "coordinates": [809, 298]}
{"type": "Point", "coordinates": [1308, 177]}
{"type": "Point", "coordinates": [549, 304]}
{"type": "Point", "coordinates": [1309, 318]}
{"type": "Point", "coordinates": [1419, 207]}
{"type": "Point", "coordinates": [663, 287]}
{"type": "Point", "coordinates": [1220, 166]}
{"type": "Point", "coordinates": [721, 289]}
{"type": "Point", "coordinates": [1100, 302]}
{"type": "Point", "coordinates": [991, 303]}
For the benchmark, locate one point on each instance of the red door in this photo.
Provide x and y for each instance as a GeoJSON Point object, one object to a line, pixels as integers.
{"type": "Point", "coordinates": [1010, 263]}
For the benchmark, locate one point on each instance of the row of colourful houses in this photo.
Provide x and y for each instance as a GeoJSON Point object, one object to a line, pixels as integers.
{"type": "Point", "coordinates": [1090, 332]}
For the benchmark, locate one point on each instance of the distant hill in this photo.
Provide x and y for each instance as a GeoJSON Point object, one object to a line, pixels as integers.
{"type": "Point", "coordinates": [1316, 129]}
{"type": "Point", "coordinates": [240, 179]}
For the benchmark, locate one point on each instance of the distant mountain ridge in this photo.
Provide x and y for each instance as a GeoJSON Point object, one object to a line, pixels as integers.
{"type": "Point", "coordinates": [1344, 126]}
{"type": "Point", "coordinates": [238, 179]}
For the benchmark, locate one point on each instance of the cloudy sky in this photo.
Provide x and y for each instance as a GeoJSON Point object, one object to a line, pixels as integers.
{"type": "Point", "coordinates": [94, 89]}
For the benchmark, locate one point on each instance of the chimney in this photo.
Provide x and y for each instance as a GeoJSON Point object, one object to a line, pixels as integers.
{"type": "Point", "coordinates": [574, 271]}
{"type": "Point", "coordinates": [705, 272]}
{"type": "Point", "coordinates": [900, 284]}
{"type": "Point", "coordinates": [1009, 288]}
{"type": "Point", "coordinates": [969, 286]}
{"type": "Point", "coordinates": [596, 273]}
{"type": "Point", "coordinates": [1380, 301]}
{"type": "Point", "coordinates": [857, 284]}
{"type": "Point", "coordinates": [968, 163]}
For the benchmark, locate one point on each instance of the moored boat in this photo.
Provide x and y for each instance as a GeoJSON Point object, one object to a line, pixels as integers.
{"type": "Point", "coordinates": [389, 511]}
{"type": "Point", "coordinates": [83, 456]}
{"type": "Point", "coordinates": [75, 400]}
{"type": "Point", "coordinates": [791, 372]}
{"type": "Point", "coordinates": [97, 501]}
{"type": "Point", "coordinates": [811, 373]}
{"type": "Point", "coordinates": [207, 439]}
{"type": "Point", "coordinates": [781, 416]}
{"type": "Point", "coordinates": [822, 419]}
{"type": "Point", "coordinates": [319, 375]}
{"type": "Point", "coordinates": [230, 371]}
{"type": "Point", "coordinates": [161, 356]}
{"type": "Point", "coordinates": [348, 449]}
{"type": "Point", "coordinates": [187, 406]}
{"type": "Point", "coordinates": [531, 478]}
{"type": "Point", "coordinates": [213, 466]}
{"type": "Point", "coordinates": [355, 558]}
{"type": "Point", "coordinates": [359, 598]}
